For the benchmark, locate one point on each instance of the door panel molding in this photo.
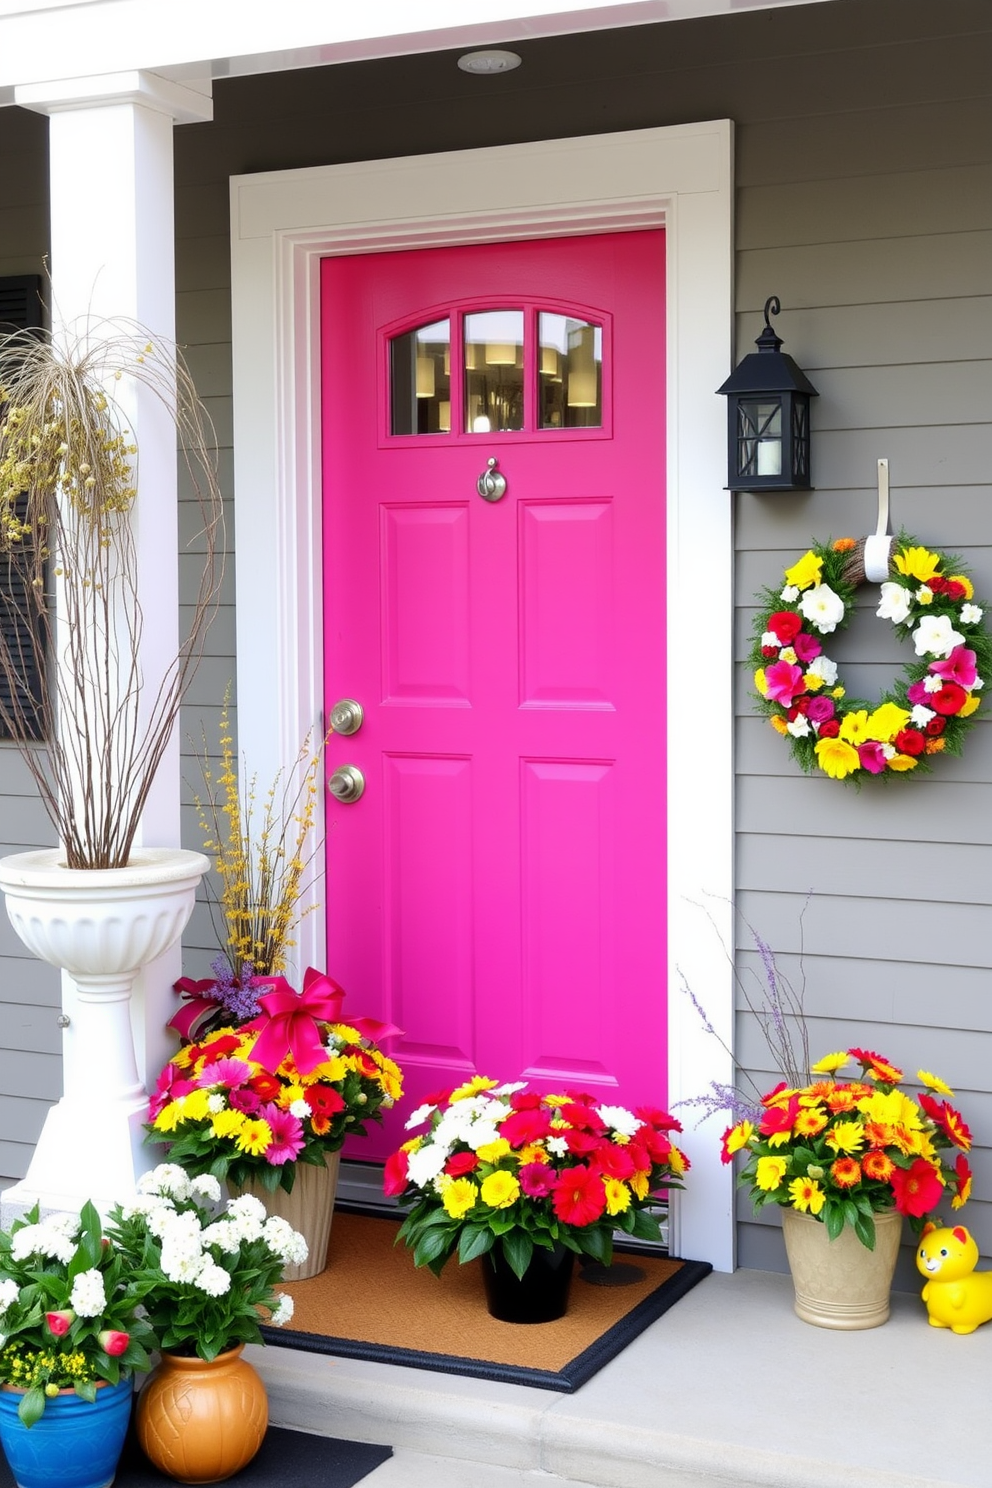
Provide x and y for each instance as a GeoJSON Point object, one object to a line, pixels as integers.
{"type": "Point", "coordinates": [282, 224]}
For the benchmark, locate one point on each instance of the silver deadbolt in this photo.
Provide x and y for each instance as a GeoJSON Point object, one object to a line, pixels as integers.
{"type": "Point", "coordinates": [346, 784]}
{"type": "Point", "coordinates": [491, 486]}
{"type": "Point", "coordinates": [347, 716]}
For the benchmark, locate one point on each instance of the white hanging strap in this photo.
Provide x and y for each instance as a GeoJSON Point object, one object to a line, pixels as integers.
{"type": "Point", "coordinates": [877, 547]}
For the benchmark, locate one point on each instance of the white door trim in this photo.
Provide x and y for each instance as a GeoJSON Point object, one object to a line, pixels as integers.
{"type": "Point", "coordinates": [282, 224]}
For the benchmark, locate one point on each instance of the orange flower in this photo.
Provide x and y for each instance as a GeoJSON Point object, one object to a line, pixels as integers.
{"type": "Point", "coordinates": [877, 1134]}
{"type": "Point", "coordinates": [842, 1099]}
{"type": "Point", "coordinates": [934, 746]}
{"type": "Point", "coordinates": [844, 544]}
{"type": "Point", "coordinates": [846, 1172]}
{"type": "Point", "coordinates": [876, 1165]}
{"type": "Point", "coordinates": [809, 1122]}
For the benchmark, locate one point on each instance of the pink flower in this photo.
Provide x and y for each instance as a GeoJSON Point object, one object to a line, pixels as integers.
{"type": "Point", "coordinates": [784, 682]}
{"type": "Point", "coordinates": [820, 709]}
{"type": "Point", "coordinates": [60, 1322]}
{"type": "Point", "coordinates": [287, 1135]}
{"type": "Point", "coordinates": [917, 693]}
{"type": "Point", "coordinates": [245, 1100]}
{"type": "Point", "coordinates": [872, 757]}
{"type": "Point", "coordinates": [537, 1180]}
{"type": "Point", "coordinates": [227, 1072]}
{"type": "Point", "coordinates": [168, 1087]}
{"type": "Point", "coordinates": [806, 646]}
{"type": "Point", "coordinates": [113, 1342]}
{"type": "Point", "coordinates": [959, 667]}
{"type": "Point", "coordinates": [394, 1174]}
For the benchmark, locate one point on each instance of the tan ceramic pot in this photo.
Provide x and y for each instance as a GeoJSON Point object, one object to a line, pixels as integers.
{"type": "Point", "coordinates": [309, 1209]}
{"type": "Point", "coordinates": [840, 1283]}
{"type": "Point", "coordinates": [202, 1421]}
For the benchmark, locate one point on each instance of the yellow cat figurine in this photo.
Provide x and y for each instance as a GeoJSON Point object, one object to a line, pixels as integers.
{"type": "Point", "coordinates": [957, 1297]}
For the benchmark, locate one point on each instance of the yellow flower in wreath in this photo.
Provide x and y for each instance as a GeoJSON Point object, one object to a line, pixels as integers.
{"type": "Point", "coordinates": [807, 571]}
{"type": "Point", "coordinates": [836, 758]}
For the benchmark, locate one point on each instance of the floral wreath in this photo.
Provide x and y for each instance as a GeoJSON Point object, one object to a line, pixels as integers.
{"type": "Point", "coordinates": [928, 597]}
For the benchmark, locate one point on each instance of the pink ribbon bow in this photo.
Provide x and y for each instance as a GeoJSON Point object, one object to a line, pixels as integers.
{"type": "Point", "coordinates": [198, 1003]}
{"type": "Point", "coordinates": [289, 1024]}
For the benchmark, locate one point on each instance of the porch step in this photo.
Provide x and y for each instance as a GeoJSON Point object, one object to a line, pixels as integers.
{"type": "Point", "coordinates": [728, 1390]}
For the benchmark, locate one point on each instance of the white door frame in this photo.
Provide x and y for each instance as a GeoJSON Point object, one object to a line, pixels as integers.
{"type": "Point", "coordinates": [282, 224]}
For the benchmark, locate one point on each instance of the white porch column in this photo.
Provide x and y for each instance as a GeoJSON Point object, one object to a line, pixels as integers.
{"type": "Point", "coordinates": [113, 257]}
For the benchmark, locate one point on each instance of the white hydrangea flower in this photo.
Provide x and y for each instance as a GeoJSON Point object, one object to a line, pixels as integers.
{"type": "Point", "coordinates": [89, 1296]}
{"type": "Point", "coordinates": [9, 1293]}
{"type": "Point", "coordinates": [799, 727]}
{"type": "Point", "coordinates": [921, 716]}
{"type": "Point", "coordinates": [620, 1119]}
{"type": "Point", "coordinates": [180, 1268]}
{"type": "Point", "coordinates": [42, 1240]}
{"type": "Point", "coordinates": [213, 1279]}
{"type": "Point", "coordinates": [822, 666]}
{"type": "Point", "coordinates": [283, 1240]}
{"type": "Point", "coordinates": [223, 1235]}
{"type": "Point", "coordinates": [248, 1207]}
{"type": "Point", "coordinates": [420, 1115]}
{"type": "Point", "coordinates": [936, 636]}
{"type": "Point", "coordinates": [822, 608]}
{"type": "Point", "coordinates": [971, 614]}
{"type": "Point", "coordinates": [283, 1312]}
{"type": "Point", "coordinates": [895, 603]}
{"type": "Point", "coordinates": [168, 1179]}
{"type": "Point", "coordinates": [206, 1187]}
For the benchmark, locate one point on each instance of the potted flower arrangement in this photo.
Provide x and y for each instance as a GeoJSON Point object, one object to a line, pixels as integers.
{"type": "Point", "coordinates": [72, 1336]}
{"type": "Point", "coordinates": [529, 1180]}
{"type": "Point", "coordinates": [846, 1160]}
{"type": "Point", "coordinates": [267, 1106]}
{"type": "Point", "coordinates": [203, 1277]}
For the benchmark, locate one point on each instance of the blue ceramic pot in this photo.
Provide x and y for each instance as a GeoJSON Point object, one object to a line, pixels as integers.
{"type": "Point", "coordinates": [73, 1445]}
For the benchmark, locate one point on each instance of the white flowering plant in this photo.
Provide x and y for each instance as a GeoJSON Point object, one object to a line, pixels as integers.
{"type": "Point", "coordinates": [70, 1309]}
{"type": "Point", "coordinates": [207, 1273]}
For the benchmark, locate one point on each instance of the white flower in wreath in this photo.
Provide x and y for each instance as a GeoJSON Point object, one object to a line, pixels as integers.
{"type": "Point", "coordinates": [790, 593]}
{"type": "Point", "coordinates": [895, 603]}
{"type": "Point", "coordinates": [921, 716]}
{"type": "Point", "coordinates": [822, 608]}
{"type": "Point", "coordinates": [799, 727]}
{"type": "Point", "coordinates": [932, 684]}
{"type": "Point", "coordinates": [936, 636]}
{"type": "Point", "coordinates": [971, 614]}
{"type": "Point", "coordinates": [822, 666]}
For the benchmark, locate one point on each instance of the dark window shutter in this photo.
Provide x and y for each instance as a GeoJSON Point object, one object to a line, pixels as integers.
{"type": "Point", "coordinates": [21, 310]}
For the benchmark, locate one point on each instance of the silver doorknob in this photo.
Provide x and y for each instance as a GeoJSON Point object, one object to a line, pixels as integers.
{"type": "Point", "coordinates": [346, 784]}
{"type": "Point", "coordinates": [347, 716]}
{"type": "Point", "coordinates": [491, 484]}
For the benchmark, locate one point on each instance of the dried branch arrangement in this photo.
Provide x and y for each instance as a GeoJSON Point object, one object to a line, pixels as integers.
{"type": "Point", "coordinates": [90, 726]}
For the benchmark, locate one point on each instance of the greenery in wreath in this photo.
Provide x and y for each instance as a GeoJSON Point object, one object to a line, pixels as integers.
{"type": "Point", "coordinates": [929, 599]}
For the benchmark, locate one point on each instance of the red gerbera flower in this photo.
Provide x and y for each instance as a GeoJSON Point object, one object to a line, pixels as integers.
{"type": "Point", "coordinates": [394, 1175]}
{"type": "Point", "coordinates": [962, 1179]}
{"type": "Point", "coordinates": [460, 1163]}
{"type": "Point", "coordinates": [523, 1127]}
{"type": "Point", "coordinates": [779, 1118]}
{"type": "Point", "coordinates": [582, 1117]}
{"type": "Point", "coordinates": [917, 1189]}
{"type": "Point", "coordinates": [323, 1100]}
{"type": "Point", "coordinates": [582, 1143]}
{"type": "Point", "coordinates": [218, 1047]}
{"type": "Point", "coordinates": [266, 1086]}
{"type": "Point", "coordinates": [579, 1197]}
{"type": "Point", "coordinates": [660, 1120]}
{"type": "Point", "coordinates": [613, 1161]}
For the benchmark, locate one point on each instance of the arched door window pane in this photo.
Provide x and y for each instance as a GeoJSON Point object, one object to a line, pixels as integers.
{"type": "Point", "coordinates": [570, 372]}
{"type": "Point", "coordinates": [420, 380]}
{"type": "Point", "coordinates": [494, 371]}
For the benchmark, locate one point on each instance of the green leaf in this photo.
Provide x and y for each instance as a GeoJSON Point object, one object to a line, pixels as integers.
{"type": "Point", "coordinates": [32, 1406]}
{"type": "Point", "coordinates": [475, 1240]}
{"type": "Point", "coordinates": [864, 1228]}
{"type": "Point", "coordinates": [645, 1226]}
{"type": "Point", "coordinates": [86, 1390]}
{"type": "Point", "coordinates": [834, 1220]}
{"type": "Point", "coordinates": [518, 1248]}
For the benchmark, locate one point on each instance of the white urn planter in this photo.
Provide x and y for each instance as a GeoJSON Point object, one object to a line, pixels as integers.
{"type": "Point", "coordinates": [101, 926]}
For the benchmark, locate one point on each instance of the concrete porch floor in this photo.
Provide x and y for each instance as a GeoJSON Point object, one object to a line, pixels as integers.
{"type": "Point", "coordinates": [728, 1390]}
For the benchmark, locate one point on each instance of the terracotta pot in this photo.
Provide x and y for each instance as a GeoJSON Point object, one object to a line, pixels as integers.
{"type": "Point", "coordinates": [201, 1421]}
{"type": "Point", "coordinates": [840, 1283]}
{"type": "Point", "coordinates": [539, 1296]}
{"type": "Point", "coordinates": [309, 1209]}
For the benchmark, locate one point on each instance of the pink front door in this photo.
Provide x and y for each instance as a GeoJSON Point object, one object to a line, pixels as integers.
{"type": "Point", "coordinates": [498, 891]}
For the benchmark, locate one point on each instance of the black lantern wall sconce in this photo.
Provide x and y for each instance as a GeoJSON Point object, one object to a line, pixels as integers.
{"type": "Point", "coordinates": [768, 443]}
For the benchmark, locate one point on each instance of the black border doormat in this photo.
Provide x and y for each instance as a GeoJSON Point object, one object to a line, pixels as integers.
{"type": "Point", "coordinates": [286, 1459]}
{"type": "Point", "coordinates": [372, 1303]}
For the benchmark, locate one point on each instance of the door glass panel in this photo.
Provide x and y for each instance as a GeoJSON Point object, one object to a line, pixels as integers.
{"type": "Point", "coordinates": [420, 380]}
{"type": "Point", "coordinates": [494, 371]}
{"type": "Point", "coordinates": [570, 373]}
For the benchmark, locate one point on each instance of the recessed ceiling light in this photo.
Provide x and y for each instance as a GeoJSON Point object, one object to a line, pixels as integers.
{"type": "Point", "coordinates": [489, 61]}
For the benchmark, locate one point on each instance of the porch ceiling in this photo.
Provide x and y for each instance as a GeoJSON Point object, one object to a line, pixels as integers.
{"type": "Point", "coordinates": [43, 41]}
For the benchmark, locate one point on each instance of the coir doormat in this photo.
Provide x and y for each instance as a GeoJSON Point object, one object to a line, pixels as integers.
{"type": "Point", "coordinates": [372, 1303]}
{"type": "Point", "coordinates": [285, 1460]}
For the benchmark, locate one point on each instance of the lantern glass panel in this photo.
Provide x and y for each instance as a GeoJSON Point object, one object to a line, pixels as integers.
{"type": "Point", "coordinates": [800, 440]}
{"type": "Point", "coordinates": [759, 437]}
